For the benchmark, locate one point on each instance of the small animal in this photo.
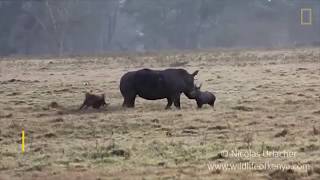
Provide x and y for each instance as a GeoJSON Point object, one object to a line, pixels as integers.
{"type": "Point", "coordinates": [94, 101]}
{"type": "Point", "coordinates": [204, 98]}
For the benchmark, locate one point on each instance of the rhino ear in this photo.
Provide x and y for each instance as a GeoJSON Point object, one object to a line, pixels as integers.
{"type": "Point", "coordinates": [195, 73]}
{"type": "Point", "coordinates": [87, 94]}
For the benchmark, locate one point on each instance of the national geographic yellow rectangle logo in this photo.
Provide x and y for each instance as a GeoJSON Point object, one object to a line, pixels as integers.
{"type": "Point", "coordinates": [306, 16]}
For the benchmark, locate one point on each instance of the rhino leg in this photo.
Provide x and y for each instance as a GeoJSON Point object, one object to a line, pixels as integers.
{"type": "Point", "coordinates": [129, 101]}
{"type": "Point", "coordinates": [124, 104]}
{"type": "Point", "coordinates": [211, 103]}
{"type": "Point", "coordinates": [169, 103]}
{"type": "Point", "coordinates": [199, 104]}
{"type": "Point", "coordinates": [177, 101]}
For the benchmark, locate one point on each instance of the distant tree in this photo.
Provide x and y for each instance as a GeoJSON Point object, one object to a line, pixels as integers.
{"type": "Point", "coordinates": [177, 23]}
{"type": "Point", "coordinates": [87, 27]}
{"type": "Point", "coordinates": [9, 13]}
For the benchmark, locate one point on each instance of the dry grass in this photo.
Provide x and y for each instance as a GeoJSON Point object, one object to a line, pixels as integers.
{"type": "Point", "coordinates": [266, 100]}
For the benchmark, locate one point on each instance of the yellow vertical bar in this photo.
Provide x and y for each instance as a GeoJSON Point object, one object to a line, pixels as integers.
{"type": "Point", "coordinates": [22, 141]}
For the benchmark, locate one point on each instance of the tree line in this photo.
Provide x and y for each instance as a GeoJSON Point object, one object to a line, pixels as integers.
{"type": "Point", "coordinates": [68, 27]}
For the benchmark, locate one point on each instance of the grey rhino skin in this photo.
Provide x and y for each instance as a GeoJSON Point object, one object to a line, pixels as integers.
{"type": "Point", "coordinates": [204, 97]}
{"type": "Point", "coordinates": [157, 84]}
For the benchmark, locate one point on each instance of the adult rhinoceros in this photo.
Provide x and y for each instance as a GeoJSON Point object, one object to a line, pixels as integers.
{"type": "Point", "coordinates": [157, 84]}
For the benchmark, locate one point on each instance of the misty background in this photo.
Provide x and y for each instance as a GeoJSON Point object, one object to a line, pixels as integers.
{"type": "Point", "coordinates": [80, 27]}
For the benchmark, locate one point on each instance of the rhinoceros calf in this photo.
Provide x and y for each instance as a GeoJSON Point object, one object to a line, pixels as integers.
{"type": "Point", "coordinates": [204, 98]}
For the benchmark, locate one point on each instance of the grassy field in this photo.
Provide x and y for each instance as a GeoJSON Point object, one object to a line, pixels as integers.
{"type": "Point", "coordinates": [267, 101]}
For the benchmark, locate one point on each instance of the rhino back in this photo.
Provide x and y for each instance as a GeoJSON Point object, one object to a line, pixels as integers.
{"type": "Point", "coordinates": [151, 84]}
